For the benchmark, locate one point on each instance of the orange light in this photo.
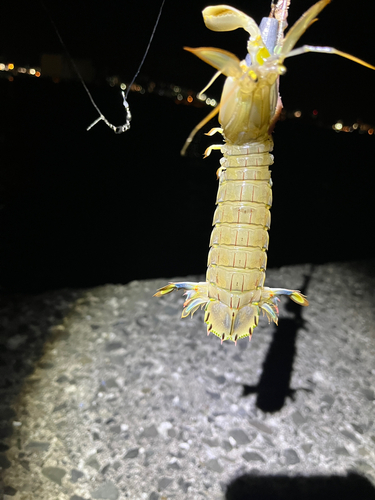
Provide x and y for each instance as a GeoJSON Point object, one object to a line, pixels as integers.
{"type": "Point", "coordinates": [370, 131]}
{"type": "Point", "coordinates": [189, 98]}
{"type": "Point", "coordinates": [11, 66]}
{"type": "Point", "coordinates": [37, 73]}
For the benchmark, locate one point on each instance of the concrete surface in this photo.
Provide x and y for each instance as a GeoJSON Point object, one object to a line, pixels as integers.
{"type": "Point", "coordinates": [106, 394]}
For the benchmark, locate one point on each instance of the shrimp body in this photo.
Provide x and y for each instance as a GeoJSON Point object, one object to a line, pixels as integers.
{"type": "Point", "coordinates": [233, 295]}
{"type": "Point", "coordinates": [237, 259]}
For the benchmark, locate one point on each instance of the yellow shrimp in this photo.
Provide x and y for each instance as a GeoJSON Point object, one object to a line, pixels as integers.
{"type": "Point", "coordinates": [234, 294]}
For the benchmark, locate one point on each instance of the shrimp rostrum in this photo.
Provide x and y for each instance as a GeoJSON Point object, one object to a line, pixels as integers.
{"type": "Point", "coordinates": [233, 295]}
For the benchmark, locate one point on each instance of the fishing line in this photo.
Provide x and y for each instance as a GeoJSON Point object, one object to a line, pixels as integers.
{"type": "Point", "coordinates": [147, 49]}
{"type": "Point", "coordinates": [126, 126]}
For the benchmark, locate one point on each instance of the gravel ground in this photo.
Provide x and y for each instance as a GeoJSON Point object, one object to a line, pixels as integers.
{"type": "Point", "coordinates": [106, 394]}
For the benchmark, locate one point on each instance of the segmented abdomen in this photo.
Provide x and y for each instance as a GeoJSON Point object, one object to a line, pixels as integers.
{"type": "Point", "coordinates": [239, 241]}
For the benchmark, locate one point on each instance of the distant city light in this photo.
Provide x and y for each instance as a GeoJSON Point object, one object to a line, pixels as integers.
{"type": "Point", "coordinates": [186, 96]}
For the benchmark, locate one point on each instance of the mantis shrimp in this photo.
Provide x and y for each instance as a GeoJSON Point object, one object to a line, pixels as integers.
{"type": "Point", "coordinates": [234, 295]}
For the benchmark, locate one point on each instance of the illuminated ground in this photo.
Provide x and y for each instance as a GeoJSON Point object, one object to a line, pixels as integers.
{"type": "Point", "coordinates": [106, 394]}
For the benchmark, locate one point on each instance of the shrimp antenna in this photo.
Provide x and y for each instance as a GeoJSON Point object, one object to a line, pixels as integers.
{"type": "Point", "coordinates": [126, 126]}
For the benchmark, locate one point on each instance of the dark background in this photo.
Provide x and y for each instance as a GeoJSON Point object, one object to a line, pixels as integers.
{"type": "Point", "coordinates": [83, 208]}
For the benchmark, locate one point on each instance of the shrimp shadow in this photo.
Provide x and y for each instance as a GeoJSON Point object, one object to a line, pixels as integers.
{"type": "Point", "coordinates": [254, 487]}
{"type": "Point", "coordinates": [274, 383]}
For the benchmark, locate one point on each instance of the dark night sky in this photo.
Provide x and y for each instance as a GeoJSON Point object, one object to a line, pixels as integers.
{"type": "Point", "coordinates": [114, 35]}
{"type": "Point", "coordinates": [84, 208]}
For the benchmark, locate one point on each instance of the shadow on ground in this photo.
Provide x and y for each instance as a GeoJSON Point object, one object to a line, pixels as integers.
{"type": "Point", "coordinates": [253, 487]}
{"type": "Point", "coordinates": [274, 383]}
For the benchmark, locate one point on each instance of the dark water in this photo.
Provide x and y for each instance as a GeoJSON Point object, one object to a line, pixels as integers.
{"type": "Point", "coordinates": [83, 208]}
